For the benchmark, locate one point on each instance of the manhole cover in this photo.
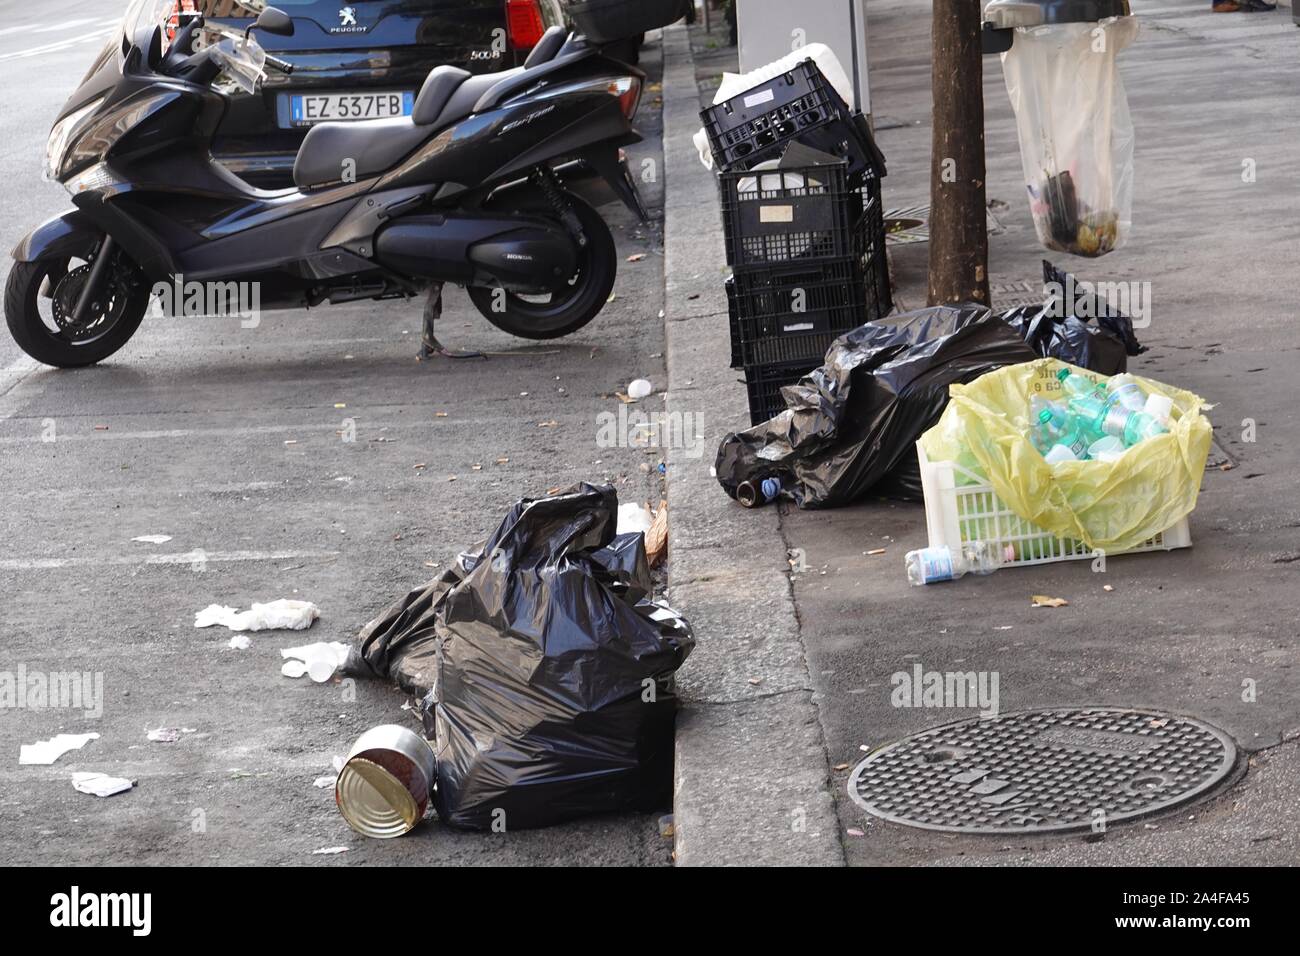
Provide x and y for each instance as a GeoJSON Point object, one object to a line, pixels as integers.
{"type": "Point", "coordinates": [1042, 770]}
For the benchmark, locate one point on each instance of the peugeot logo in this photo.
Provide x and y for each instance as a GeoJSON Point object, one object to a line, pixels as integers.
{"type": "Point", "coordinates": [348, 17]}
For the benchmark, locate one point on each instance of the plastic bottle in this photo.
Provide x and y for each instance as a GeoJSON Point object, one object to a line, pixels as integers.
{"type": "Point", "coordinates": [1139, 426]}
{"type": "Point", "coordinates": [1124, 390]}
{"type": "Point", "coordinates": [1054, 428]}
{"type": "Point", "coordinates": [1078, 386]}
{"type": "Point", "coordinates": [931, 565]}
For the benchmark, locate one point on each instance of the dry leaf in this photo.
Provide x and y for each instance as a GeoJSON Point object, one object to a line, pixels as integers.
{"type": "Point", "coordinates": [756, 681]}
{"type": "Point", "coordinates": [656, 539]}
{"type": "Point", "coordinates": [842, 766]}
{"type": "Point", "coordinates": [1042, 600]}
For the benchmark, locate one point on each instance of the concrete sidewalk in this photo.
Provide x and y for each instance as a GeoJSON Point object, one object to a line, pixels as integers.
{"type": "Point", "coordinates": [793, 676]}
{"type": "Point", "coordinates": [753, 785]}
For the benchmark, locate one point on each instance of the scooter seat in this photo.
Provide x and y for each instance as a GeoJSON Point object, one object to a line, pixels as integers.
{"type": "Point", "coordinates": [339, 152]}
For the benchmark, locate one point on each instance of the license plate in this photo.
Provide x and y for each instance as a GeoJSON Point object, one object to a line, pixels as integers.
{"type": "Point", "coordinates": [306, 109]}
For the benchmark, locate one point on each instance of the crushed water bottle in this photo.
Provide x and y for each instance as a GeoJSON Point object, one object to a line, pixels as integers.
{"type": "Point", "coordinates": [931, 565]}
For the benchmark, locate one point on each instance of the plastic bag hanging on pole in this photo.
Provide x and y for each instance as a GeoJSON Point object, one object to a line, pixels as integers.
{"type": "Point", "coordinates": [1076, 135]}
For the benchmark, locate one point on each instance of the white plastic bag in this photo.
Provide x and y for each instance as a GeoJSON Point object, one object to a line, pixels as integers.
{"type": "Point", "coordinates": [1076, 135]}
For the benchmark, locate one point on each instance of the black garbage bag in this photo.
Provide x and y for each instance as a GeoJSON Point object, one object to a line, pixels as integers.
{"type": "Point", "coordinates": [551, 693]}
{"type": "Point", "coordinates": [851, 426]}
{"type": "Point", "coordinates": [1062, 329]}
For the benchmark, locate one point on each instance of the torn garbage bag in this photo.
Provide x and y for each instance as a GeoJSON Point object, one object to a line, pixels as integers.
{"type": "Point", "coordinates": [851, 426]}
{"type": "Point", "coordinates": [549, 668]}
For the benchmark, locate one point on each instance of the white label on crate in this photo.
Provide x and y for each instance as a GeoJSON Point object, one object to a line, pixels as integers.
{"type": "Point", "coordinates": [755, 99]}
{"type": "Point", "coordinates": [799, 327]}
{"type": "Point", "coordinates": [776, 214]}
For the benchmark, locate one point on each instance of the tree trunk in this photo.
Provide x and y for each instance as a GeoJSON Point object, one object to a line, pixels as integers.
{"type": "Point", "coordinates": [959, 250]}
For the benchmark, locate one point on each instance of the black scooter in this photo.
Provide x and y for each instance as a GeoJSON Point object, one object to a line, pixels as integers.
{"type": "Point", "coordinates": [481, 186]}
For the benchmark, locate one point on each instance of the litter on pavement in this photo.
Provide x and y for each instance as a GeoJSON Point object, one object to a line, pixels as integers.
{"type": "Point", "coordinates": [278, 615]}
{"type": "Point", "coordinates": [153, 538]}
{"type": "Point", "coordinates": [168, 735]}
{"type": "Point", "coordinates": [45, 752]}
{"type": "Point", "coordinates": [318, 661]}
{"type": "Point", "coordinates": [101, 784]}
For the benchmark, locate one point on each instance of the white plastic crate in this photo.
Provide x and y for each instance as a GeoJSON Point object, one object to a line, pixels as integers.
{"type": "Point", "coordinates": [972, 511]}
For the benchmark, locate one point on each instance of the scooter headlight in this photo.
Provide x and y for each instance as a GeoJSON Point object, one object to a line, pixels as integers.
{"type": "Point", "coordinates": [56, 150]}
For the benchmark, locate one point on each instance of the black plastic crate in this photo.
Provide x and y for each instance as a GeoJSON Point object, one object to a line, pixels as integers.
{"type": "Point", "coordinates": [796, 106]}
{"type": "Point", "coordinates": [777, 215]}
{"type": "Point", "coordinates": [764, 384]}
{"type": "Point", "coordinates": [793, 314]}
{"type": "Point", "coordinates": [793, 311]}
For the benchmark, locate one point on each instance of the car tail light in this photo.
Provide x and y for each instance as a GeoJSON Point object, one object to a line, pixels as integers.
{"type": "Point", "coordinates": [524, 23]}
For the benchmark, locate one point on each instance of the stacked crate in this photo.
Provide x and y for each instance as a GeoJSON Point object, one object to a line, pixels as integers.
{"type": "Point", "coordinates": [805, 243]}
{"type": "Point", "coordinates": [806, 248]}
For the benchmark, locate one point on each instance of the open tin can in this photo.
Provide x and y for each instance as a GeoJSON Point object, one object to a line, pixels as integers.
{"type": "Point", "coordinates": [383, 789]}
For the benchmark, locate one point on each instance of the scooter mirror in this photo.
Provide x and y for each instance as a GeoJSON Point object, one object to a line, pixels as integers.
{"type": "Point", "coordinates": [275, 22]}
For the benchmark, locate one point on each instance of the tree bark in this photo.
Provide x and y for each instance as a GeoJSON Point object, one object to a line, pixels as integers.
{"type": "Point", "coordinates": [959, 251]}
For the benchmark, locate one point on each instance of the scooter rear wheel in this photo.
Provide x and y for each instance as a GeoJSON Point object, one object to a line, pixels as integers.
{"type": "Point", "coordinates": [41, 322]}
{"type": "Point", "coordinates": [566, 311]}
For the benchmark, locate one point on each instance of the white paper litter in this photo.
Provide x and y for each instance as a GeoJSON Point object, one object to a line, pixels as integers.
{"type": "Point", "coordinates": [323, 782]}
{"type": "Point", "coordinates": [153, 538]}
{"type": "Point", "coordinates": [168, 735]}
{"type": "Point", "coordinates": [319, 661]}
{"type": "Point", "coordinates": [275, 616]}
{"type": "Point", "coordinates": [329, 851]}
{"type": "Point", "coordinates": [101, 784]}
{"type": "Point", "coordinates": [633, 517]}
{"type": "Point", "coordinates": [45, 752]}
{"type": "Point", "coordinates": [240, 642]}
{"type": "Point", "coordinates": [733, 84]}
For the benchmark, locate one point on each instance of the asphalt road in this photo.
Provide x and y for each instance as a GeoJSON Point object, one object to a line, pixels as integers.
{"type": "Point", "coordinates": [226, 439]}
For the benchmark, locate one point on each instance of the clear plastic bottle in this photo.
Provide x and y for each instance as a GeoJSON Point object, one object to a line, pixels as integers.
{"type": "Point", "coordinates": [1107, 418]}
{"type": "Point", "coordinates": [1078, 386]}
{"type": "Point", "coordinates": [931, 565]}
{"type": "Point", "coordinates": [1056, 428]}
{"type": "Point", "coordinates": [1124, 390]}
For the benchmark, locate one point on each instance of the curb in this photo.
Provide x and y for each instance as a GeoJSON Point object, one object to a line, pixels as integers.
{"type": "Point", "coordinates": [752, 783]}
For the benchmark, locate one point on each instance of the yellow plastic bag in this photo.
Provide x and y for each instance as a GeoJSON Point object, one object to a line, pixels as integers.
{"type": "Point", "coordinates": [1111, 506]}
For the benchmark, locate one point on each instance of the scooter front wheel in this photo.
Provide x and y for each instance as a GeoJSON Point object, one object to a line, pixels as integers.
{"type": "Point", "coordinates": [40, 309]}
{"type": "Point", "coordinates": [573, 306]}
